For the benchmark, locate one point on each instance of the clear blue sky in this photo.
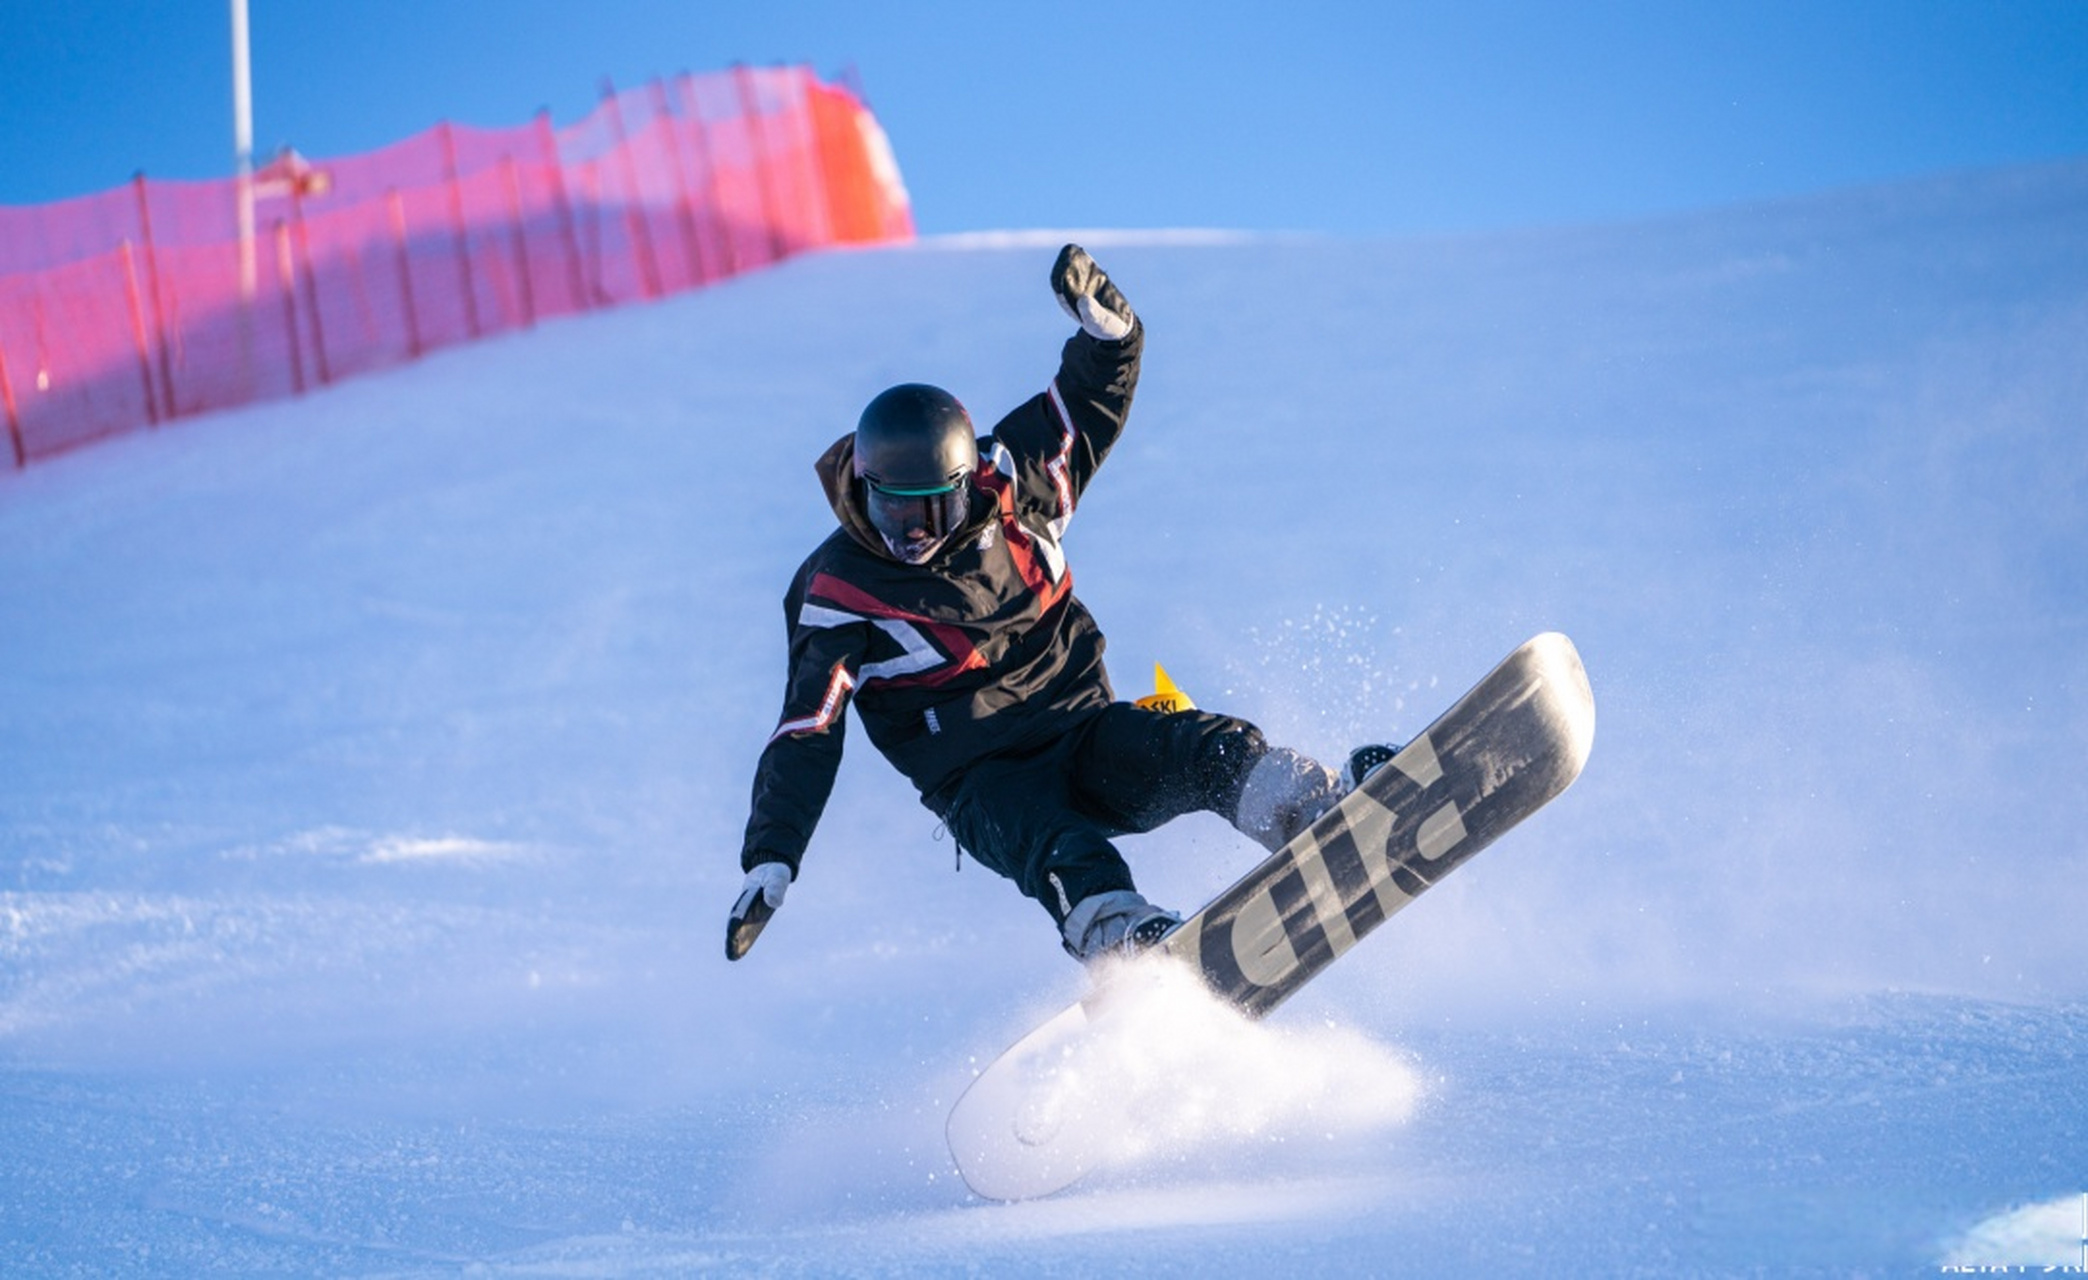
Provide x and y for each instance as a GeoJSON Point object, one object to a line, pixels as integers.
{"type": "Point", "coordinates": [1365, 117]}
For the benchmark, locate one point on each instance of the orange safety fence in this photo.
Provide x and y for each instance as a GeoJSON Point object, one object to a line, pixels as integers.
{"type": "Point", "coordinates": [160, 299]}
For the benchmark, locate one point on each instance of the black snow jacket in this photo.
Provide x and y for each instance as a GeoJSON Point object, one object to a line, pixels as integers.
{"type": "Point", "coordinates": [981, 651]}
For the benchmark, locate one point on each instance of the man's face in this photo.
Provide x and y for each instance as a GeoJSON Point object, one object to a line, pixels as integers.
{"type": "Point", "coordinates": [914, 522]}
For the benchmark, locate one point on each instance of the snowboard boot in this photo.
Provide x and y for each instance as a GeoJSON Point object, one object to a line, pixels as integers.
{"type": "Point", "coordinates": [1151, 931]}
{"type": "Point", "coordinates": [1117, 923]}
{"type": "Point", "coordinates": [1284, 793]}
{"type": "Point", "coordinates": [1364, 761]}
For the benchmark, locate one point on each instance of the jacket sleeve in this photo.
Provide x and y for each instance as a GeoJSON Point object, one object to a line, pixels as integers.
{"type": "Point", "coordinates": [795, 774]}
{"type": "Point", "coordinates": [1058, 438]}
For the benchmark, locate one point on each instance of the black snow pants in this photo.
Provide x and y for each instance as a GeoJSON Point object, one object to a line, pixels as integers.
{"type": "Point", "coordinates": [1045, 819]}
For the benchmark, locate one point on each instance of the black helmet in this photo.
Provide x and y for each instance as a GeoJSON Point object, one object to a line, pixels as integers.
{"type": "Point", "coordinates": [915, 453]}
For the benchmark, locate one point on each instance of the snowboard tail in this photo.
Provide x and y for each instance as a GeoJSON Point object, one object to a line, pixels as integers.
{"type": "Point", "coordinates": [1033, 1122]}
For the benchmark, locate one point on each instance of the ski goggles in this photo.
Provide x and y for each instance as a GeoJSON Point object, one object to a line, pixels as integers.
{"type": "Point", "coordinates": [901, 511]}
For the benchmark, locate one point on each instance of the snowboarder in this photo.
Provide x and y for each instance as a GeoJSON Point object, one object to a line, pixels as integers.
{"type": "Point", "coordinates": [943, 605]}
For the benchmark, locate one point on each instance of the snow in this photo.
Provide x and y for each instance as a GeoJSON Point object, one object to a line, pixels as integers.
{"type": "Point", "coordinates": [376, 764]}
{"type": "Point", "coordinates": [2038, 1235]}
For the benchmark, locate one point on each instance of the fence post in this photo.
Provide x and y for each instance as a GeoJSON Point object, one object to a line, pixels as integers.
{"type": "Point", "coordinates": [398, 225]}
{"type": "Point", "coordinates": [685, 214]}
{"type": "Point", "coordinates": [521, 241]}
{"type": "Point", "coordinates": [713, 202]}
{"type": "Point", "coordinates": [14, 417]}
{"type": "Point", "coordinates": [286, 285]}
{"type": "Point", "coordinates": [159, 313]}
{"type": "Point", "coordinates": [456, 198]}
{"type": "Point", "coordinates": [137, 319]}
{"type": "Point", "coordinates": [589, 176]}
{"type": "Point", "coordinates": [757, 145]}
{"type": "Point", "coordinates": [554, 165]}
{"type": "Point", "coordinates": [634, 208]}
{"type": "Point", "coordinates": [311, 286]}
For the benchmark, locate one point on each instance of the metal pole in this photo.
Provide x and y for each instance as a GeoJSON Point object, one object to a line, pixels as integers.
{"type": "Point", "coordinates": [243, 190]}
{"type": "Point", "coordinates": [243, 145]}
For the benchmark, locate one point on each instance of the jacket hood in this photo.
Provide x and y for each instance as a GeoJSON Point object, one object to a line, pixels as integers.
{"type": "Point", "coordinates": [836, 468]}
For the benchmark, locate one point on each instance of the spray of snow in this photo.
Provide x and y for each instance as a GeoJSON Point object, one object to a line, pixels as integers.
{"type": "Point", "coordinates": [1164, 1086]}
{"type": "Point", "coordinates": [1168, 1072]}
{"type": "Point", "coordinates": [2050, 1234]}
{"type": "Point", "coordinates": [1324, 680]}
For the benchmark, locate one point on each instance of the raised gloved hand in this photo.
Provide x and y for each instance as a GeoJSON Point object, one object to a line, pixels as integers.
{"type": "Point", "coordinates": [1085, 292]}
{"type": "Point", "coordinates": [759, 897]}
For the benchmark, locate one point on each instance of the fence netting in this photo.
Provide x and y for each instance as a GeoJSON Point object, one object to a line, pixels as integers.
{"type": "Point", "coordinates": [160, 299]}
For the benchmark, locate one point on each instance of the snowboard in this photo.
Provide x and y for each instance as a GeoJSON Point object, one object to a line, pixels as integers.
{"type": "Point", "coordinates": [1509, 746]}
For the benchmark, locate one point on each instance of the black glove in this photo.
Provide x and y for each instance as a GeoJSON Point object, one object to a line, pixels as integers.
{"type": "Point", "coordinates": [1085, 292]}
{"type": "Point", "coordinates": [759, 897]}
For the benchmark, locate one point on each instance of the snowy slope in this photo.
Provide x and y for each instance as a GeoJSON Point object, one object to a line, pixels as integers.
{"type": "Point", "coordinates": [376, 765]}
